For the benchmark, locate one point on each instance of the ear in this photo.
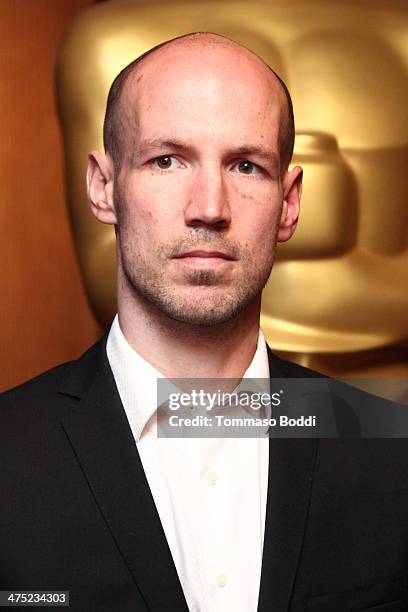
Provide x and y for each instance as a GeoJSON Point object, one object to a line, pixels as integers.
{"type": "Point", "coordinates": [99, 178]}
{"type": "Point", "coordinates": [292, 191]}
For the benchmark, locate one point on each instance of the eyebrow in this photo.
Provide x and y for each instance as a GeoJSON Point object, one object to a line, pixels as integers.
{"type": "Point", "coordinates": [150, 146]}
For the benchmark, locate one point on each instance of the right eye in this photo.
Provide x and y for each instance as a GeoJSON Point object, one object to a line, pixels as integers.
{"type": "Point", "coordinates": [165, 162]}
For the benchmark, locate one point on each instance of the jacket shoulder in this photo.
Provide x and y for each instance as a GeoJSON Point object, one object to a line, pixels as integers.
{"type": "Point", "coordinates": [47, 382]}
{"type": "Point", "coordinates": [54, 388]}
{"type": "Point", "coordinates": [288, 369]}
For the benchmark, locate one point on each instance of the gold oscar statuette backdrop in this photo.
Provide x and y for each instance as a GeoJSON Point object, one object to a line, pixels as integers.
{"type": "Point", "coordinates": [337, 299]}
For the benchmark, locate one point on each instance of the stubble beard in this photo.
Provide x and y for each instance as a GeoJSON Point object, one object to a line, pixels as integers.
{"type": "Point", "coordinates": [212, 304]}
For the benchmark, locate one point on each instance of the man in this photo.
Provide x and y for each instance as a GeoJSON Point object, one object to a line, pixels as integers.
{"type": "Point", "coordinates": [198, 137]}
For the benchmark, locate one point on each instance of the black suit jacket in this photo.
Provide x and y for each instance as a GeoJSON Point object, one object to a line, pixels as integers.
{"type": "Point", "coordinates": [77, 514]}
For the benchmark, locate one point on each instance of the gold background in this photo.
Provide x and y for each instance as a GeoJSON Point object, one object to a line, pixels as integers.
{"type": "Point", "coordinates": [338, 295]}
{"type": "Point", "coordinates": [45, 318]}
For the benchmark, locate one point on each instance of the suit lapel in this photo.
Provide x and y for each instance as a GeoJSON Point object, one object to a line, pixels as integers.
{"type": "Point", "coordinates": [291, 469]}
{"type": "Point", "coordinates": [102, 441]}
{"type": "Point", "coordinates": [291, 465]}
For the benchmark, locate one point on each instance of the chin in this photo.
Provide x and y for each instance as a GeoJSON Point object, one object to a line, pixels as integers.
{"type": "Point", "coordinates": [202, 314]}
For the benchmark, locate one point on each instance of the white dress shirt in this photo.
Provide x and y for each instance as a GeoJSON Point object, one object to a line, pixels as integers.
{"type": "Point", "coordinates": [210, 493]}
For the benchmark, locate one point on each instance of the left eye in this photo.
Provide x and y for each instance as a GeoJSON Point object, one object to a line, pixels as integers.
{"type": "Point", "coordinates": [247, 167]}
{"type": "Point", "coordinates": [164, 162]}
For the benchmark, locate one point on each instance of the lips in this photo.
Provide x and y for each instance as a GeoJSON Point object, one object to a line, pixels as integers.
{"type": "Point", "coordinates": [206, 255]}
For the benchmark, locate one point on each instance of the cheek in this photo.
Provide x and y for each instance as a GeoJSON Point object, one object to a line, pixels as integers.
{"type": "Point", "coordinates": [153, 200]}
{"type": "Point", "coordinates": [258, 209]}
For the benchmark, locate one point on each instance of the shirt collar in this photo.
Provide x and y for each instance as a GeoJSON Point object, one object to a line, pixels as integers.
{"type": "Point", "coordinates": [136, 379]}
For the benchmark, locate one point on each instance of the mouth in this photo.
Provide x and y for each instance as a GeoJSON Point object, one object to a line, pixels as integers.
{"type": "Point", "coordinates": [205, 259]}
{"type": "Point", "coordinates": [205, 255]}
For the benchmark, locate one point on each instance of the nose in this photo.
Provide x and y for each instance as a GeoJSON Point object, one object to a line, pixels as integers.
{"type": "Point", "coordinates": [208, 199]}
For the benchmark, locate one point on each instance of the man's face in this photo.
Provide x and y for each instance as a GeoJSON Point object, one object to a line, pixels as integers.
{"type": "Point", "coordinates": [199, 195]}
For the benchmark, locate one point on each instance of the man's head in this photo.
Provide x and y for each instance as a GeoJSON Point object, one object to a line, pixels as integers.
{"type": "Point", "coordinates": [198, 136]}
{"type": "Point", "coordinates": [116, 120]}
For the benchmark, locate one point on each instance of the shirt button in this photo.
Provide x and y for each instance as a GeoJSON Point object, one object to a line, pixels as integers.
{"type": "Point", "coordinates": [212, 478]}
{"type": "Point", "coordinates": [222, 580]}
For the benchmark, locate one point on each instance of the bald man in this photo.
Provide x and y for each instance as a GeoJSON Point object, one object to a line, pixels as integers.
{"type": "Point", "coordinates": [198, 139]}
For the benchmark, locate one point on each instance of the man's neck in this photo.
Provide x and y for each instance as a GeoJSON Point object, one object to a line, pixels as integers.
{"type": "Point", "coordinates": [181, 350]}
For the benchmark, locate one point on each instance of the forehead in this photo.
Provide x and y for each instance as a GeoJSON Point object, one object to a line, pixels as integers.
{"type": "Point", "coordinates": [198, 92]}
